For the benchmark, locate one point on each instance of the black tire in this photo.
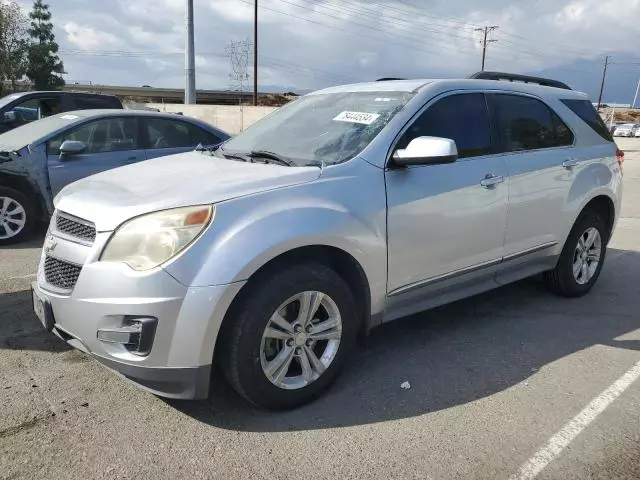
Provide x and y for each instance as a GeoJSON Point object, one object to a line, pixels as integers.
{"type": "Point", "coordinates": [561, 279]}
{"type": "Point", "coordinates": [241, 341]}
{"type": "Point", "coordinates": [30, 212]}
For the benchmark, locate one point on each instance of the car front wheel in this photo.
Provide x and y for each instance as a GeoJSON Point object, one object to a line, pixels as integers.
{"type": "Point", "coordinates": [290, 338]}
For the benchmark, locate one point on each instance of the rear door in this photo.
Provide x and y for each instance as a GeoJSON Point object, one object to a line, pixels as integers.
{"type": "Point", "coordinates": [542, 163]}
{"type": "Point", "coordinates": [111, 142]}
{"type": "Point", "coordinates": [166, 136]}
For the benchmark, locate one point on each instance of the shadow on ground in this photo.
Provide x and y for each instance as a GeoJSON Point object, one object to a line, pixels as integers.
{"type": "Point", "coordinates": [19, 327]}
{"type": "Point", "coordinates": [35, 240]}
{"type": "Point", "coordinates": [452, 355]}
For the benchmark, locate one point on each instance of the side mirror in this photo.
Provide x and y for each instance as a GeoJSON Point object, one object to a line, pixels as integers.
{"type": "Point", "coordinates": [9, 117]}
{"type": "Point", "coordinates": [426, 151]}
{"type": "Point", "coordinates": [72, 147]}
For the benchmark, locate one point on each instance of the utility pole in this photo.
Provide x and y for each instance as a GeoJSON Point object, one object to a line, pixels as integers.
{"type": "Point", "coordinates": [485, 41]}
{"type": "Point", "coordinates": [604, 75]}
{"type": "Point", "coordinates": [189, 57]}
{"type": "Point", "coordinates": [255, 53]}
{"type": "Point", "coordinates": [635, 97]}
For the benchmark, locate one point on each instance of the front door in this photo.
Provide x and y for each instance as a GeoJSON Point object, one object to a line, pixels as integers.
{"type": "Point", "coordinates": [111, 142]}
{"type": "Point", "coordinates": [443, 223]}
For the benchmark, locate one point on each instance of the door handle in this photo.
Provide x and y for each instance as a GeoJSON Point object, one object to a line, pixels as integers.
{"type": "Point", "coordinates": [490, 180]}
{"type": "Point", "coordinates": [570, 163]}
{"type": "Point", "coordinates": [132, 159]}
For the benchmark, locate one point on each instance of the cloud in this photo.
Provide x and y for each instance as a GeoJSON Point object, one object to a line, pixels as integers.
{"type": "Point", "coordinates": [87, 38]}
{"type": "Point", "coordinates": [308, 44]}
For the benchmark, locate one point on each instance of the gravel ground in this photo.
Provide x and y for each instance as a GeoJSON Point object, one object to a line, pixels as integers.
{"type": "Point", "coordinates": [493, 380]}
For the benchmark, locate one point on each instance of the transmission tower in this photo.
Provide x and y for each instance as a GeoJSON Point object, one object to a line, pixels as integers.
{"type": "Point", "coordinates": [239, 53]}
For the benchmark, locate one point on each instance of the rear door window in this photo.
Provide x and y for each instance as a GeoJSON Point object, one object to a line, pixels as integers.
{"type": "Point", "coordinates": [525, 123]}
{"type": "Point", "coordinates": [166, 133]}
{"type": "Point", "coordinates": [462, 118]}
{"type": "Point", "coordinates": [587, 112]}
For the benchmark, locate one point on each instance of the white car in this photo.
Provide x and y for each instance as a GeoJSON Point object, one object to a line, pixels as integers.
{"type": "Point", "coordinates": [627, 130]}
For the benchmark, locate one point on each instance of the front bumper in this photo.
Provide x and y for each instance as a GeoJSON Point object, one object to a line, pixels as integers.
{"type": "Point", "coordinates": [107, 296]}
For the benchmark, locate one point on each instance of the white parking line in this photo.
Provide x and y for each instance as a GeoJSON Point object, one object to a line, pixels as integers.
{"type": "Point", "coordinates": [571, 430]}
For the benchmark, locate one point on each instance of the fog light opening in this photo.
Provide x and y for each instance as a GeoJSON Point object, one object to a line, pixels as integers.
{"type": "Point", "coordinates": [136, 334]}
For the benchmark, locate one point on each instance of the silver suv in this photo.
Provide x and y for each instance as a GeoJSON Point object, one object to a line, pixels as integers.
{"type": "Point", "coordinates": [347, 208]}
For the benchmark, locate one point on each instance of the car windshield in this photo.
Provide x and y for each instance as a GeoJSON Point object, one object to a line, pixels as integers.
{"type": "Point", "coordinates": [329, 128]}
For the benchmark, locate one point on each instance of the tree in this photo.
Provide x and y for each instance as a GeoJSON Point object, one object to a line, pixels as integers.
{"type": "Point", "coordinates": [13, 43]}
{"type": "Point", "coordinates": [45, 67]}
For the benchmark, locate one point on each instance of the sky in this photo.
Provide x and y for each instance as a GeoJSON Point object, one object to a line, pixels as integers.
{"type": "Point", "coordinates": [309, 44]}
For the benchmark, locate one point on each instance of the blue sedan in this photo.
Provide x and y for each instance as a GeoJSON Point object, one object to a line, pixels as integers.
{"type": "Point", "coordinates": [38, 159]}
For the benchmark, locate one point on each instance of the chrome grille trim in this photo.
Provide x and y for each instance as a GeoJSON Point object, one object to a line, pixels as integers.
{"type": "Point", "coordinates": [75, 227]}
{"type": "Point", "coordinates": [61, 274]}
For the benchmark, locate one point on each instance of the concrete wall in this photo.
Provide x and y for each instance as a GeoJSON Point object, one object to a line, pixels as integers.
{"type": "Point", "coordinates": [230, 118]}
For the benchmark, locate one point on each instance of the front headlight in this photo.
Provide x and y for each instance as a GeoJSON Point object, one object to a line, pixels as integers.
{"type": "Point", "coordinates": [148, 241]}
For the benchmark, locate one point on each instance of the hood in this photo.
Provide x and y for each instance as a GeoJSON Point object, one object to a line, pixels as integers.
{"type": "Point", "coordinates": [112, 197]}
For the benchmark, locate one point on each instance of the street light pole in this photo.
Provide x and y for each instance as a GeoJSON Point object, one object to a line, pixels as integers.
{"type": "Point", "coordinates": [189, 57]}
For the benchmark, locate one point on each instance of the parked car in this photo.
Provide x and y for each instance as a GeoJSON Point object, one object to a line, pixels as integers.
{"type": "Point", "coordinates": [37, 160]}
{"type": "Point", "coordinates": [344, 209]}
{"type": "Point", "coordinates": [21, 108]}
{"type": "Point", "coordinates": [627, 130]}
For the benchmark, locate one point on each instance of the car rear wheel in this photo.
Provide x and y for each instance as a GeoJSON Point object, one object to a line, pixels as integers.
{"type": "Point", "coordinates": [17, 216]}
{"type": "Point", "coordinates": [582, 257]}
{"type": "Point", "coordinates": [290, 338]}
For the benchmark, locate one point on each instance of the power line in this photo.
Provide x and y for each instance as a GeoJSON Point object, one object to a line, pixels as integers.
{"type": "Point", "coordinates": [351, 32]}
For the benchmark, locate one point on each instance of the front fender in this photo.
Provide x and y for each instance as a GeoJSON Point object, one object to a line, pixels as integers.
{"type": "Point", "coordinates": [248, 232]}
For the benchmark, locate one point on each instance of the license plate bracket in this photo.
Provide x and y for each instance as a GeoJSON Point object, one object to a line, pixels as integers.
{"type": "Point", "coordinates": [42, 309]}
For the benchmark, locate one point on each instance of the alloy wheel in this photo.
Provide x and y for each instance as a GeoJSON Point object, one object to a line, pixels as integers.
{"type": "Point", "coordinates": [301, 340]}
{"type": "Point", "coordinates": [586, 256]}
{"type": "Point", "coordinates": [13, 218]}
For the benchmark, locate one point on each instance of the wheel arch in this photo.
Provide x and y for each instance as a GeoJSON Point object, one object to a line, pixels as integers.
{"type": "Point", "coordinates": [604, 205]}
{"type": "Point", "coordinates": [336, 258]}
{"type": "Point", "coordinates": [24, 186]}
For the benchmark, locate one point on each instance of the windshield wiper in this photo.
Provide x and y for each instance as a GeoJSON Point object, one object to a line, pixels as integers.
{"type": "Point", "coordinates": [272, 156]}
{"type": "Point", "coordinates": [218, 151]}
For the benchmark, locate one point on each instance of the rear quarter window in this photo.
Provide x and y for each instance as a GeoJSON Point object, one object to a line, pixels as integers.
{"type": "Point", "coordinates": [587, 112]}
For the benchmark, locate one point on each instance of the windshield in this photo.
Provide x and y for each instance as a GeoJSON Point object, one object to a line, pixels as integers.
{"type": "Point", "coordinates": [327, 127]}
{"type": "Point", "coordinates": [33, 131]}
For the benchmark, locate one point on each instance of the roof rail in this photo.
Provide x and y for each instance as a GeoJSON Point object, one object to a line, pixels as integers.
{"type": "Point", "coordinates": [385, 79]}
{"type": "Point", "coordinates": [513, 77]}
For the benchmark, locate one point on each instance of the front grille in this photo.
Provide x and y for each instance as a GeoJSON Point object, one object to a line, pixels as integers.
{"type": "Point", "coordinates": [61, 274]}
{"type": "Point", "coordinates": [75, 228]}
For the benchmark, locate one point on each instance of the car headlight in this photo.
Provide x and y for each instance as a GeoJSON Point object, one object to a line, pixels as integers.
{"type": "Point", "coordinates": [148, 241]}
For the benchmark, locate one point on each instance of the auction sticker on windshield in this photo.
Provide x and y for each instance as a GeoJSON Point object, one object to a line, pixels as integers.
{"type": "Point", "coordinates": [357, 117]}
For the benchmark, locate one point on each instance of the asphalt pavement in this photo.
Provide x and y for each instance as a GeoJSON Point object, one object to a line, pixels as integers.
{"type": "Point", "coordinates": [516, 383]}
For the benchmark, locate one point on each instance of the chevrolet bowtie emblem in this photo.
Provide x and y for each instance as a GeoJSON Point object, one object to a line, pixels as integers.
{"type": "Point", "coordinates": [50, 244]}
